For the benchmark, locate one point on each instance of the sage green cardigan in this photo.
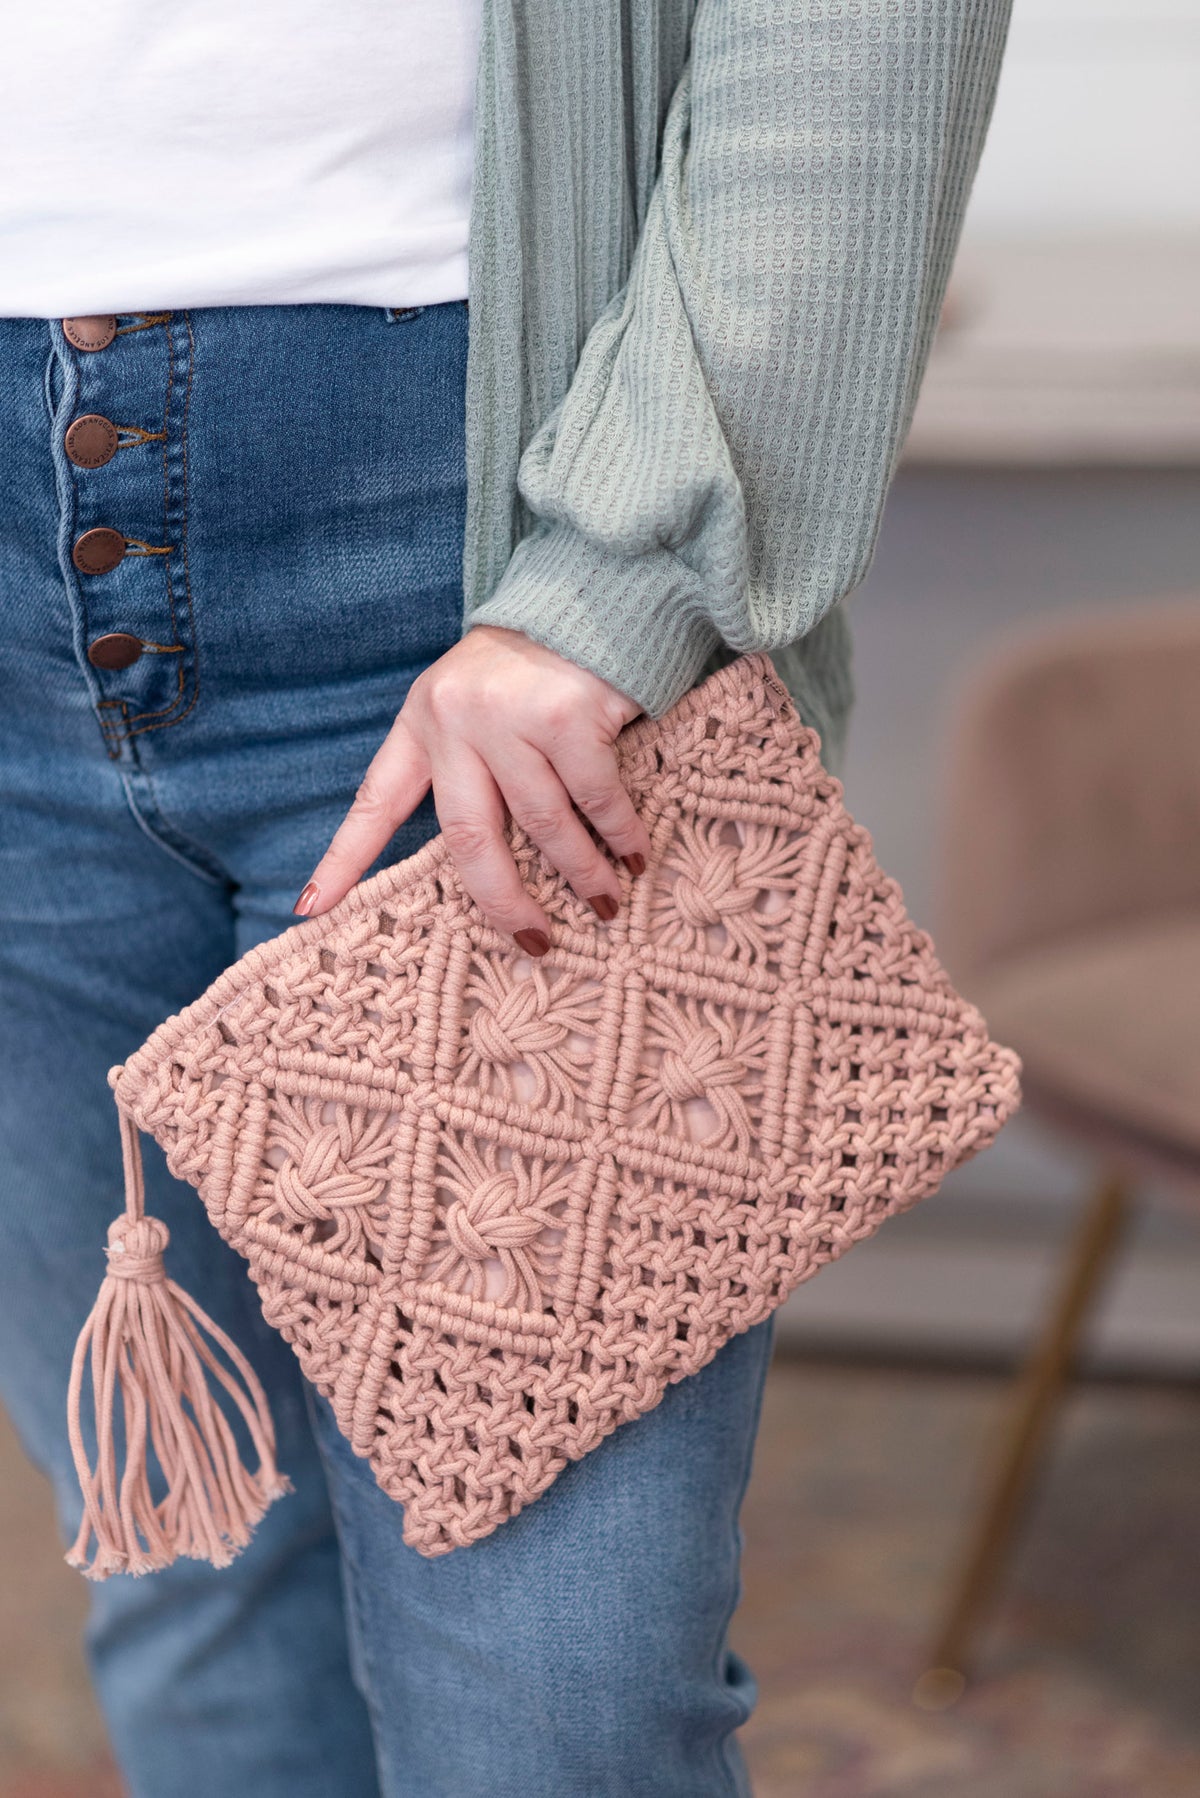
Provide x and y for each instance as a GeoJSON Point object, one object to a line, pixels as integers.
{"type": "Point", "coordinates": [709, 241]}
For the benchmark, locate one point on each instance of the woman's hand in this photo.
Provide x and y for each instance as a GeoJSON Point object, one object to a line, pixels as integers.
{"type": "Point", "coordinates": [499, 722]}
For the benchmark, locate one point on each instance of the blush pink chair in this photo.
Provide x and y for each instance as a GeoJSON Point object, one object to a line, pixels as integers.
{"type": "Point", "coordinates": [1070, 914]}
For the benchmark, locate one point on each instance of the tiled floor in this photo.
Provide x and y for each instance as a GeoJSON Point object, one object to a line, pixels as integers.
{"type": "Point", "coordinates": [1089, 1678]}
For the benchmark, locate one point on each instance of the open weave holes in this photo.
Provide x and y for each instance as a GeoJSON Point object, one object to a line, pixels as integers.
{"type": "Point", "coordinates": [496, 1205]}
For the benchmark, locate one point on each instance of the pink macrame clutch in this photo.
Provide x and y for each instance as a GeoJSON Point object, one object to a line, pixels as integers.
{"type": "Point", "coordinates": [497, 1205]}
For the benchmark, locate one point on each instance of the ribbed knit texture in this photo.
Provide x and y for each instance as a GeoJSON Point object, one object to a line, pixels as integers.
{"type": "Point", "coordinates": [690, 373]}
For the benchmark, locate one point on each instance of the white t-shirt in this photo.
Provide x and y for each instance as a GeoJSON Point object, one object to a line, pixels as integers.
{"type": "Point", "coordinates": [225, 152]}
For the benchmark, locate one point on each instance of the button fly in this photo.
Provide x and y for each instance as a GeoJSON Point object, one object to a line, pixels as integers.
{"type": "Point", "coordinates": [94, 332]}
{"type": "Point", "coordinates": [91, 440]}
{"type": "Point", "coordinates": [99, 550]}
{"type": "Point", "coordinates": [116, 650]}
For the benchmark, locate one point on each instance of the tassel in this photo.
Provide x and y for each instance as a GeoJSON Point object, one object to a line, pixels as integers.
{"type": "Point", "coordinates": [148, 1352]}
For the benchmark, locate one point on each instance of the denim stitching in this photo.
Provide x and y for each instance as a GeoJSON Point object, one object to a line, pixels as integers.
{"type": "Point", "coordinates": [113, 734]}
{"type": "Point", "coordinates": [206, 867]}
{"type": "Point", "coordinates": [148, 321]}
{"type": "Point", "coordinates": [63, 364]}
{"type": "Point", "coordinates": [134, 435]}
{"type": "Point", "coordinates": [129, 718]}
{"type": "Point", "coordinates": [48, 385]}
{"type": "Point", "coordinates": [163, 722]}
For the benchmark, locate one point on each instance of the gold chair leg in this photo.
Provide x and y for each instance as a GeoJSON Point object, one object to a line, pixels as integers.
{"type": "Point", "coordinates": [1020, 1439]}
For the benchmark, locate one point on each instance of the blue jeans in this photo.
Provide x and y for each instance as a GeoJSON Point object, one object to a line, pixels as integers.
{"type": "Point", "coordinates": [179, 735]}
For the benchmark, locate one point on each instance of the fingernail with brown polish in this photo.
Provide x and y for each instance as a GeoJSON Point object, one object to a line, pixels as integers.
{"type": "Point", "coordinates": [307, 899]}
{"type": "Point", "coordinates": [534, 942]}
{"type": "Point", "coordinates": [636, 863]}
{"type": "Point", "coordinates": [604, 906]}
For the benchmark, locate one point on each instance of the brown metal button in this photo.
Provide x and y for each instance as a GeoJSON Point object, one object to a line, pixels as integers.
{"type": "Point", "coordinates": [99, 550]}
{"type": "Point", "coordinates": [117, 650]}
{"type": "Point", "coordinates": [92, 333]}
{"type": "Point", "coordinates": [91, 440]}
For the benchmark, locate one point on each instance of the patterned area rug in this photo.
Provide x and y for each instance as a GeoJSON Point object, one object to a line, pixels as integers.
{"type": "Point", "coordinates": [1087, 1681]}
{"type": "Point", "coordinates": [1088, 1676]}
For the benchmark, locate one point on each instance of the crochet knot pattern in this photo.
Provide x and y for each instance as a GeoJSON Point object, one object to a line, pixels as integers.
{"type": "Point", "coordinates": [690, 1074]}
{"type": "Point", "coordinates": [714, 892]}
{"type": "Point", "coordinates": [497, 1205]}
{"type": "Point", "coordinates": [520, 1025]}
{"type": "Point", "coordinates": [499, 1231]}
{"type": "Point", "coordinates": [342, 1163]}
{"type": "Point", "coordinates": [495, 1224]}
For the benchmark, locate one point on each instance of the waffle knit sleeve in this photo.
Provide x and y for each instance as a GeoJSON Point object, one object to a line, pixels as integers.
{"type": "Point", "coordinates": [718, 466]}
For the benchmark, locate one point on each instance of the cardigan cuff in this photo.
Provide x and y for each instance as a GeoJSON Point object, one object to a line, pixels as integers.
{"type": "Point", "coordinates": [632, 619]}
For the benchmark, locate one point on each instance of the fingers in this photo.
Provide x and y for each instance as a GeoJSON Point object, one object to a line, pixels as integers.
{"type": "Point", "coordinates": [471, 815]}
{"type": "Point", "coordinates": [540, 803]}
{"type": "Point", "coordinates": [500, 724]}
{"type": "Point", "coordinates": [590, 773]}
{"type": "Point", "coordinates": [393, 786]}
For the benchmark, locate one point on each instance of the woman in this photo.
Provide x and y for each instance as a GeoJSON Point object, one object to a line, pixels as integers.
{"type": "Point", "coordinates": [286, 523]}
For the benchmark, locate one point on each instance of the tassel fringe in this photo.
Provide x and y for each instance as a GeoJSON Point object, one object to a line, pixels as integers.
{"type": "Point", "coordinates": [146, 1339]}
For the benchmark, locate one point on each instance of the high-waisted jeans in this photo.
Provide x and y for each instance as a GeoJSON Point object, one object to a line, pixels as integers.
{"type": "Point", "coordinates": [180, 732]}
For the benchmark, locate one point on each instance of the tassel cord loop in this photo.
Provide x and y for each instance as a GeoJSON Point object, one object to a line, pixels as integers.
{"type": "Point", "coordinates": [131, 1159]}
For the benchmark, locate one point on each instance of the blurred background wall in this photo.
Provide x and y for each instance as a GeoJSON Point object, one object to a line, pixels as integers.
{"type": "Point", "coordinates": [1053, 468]}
